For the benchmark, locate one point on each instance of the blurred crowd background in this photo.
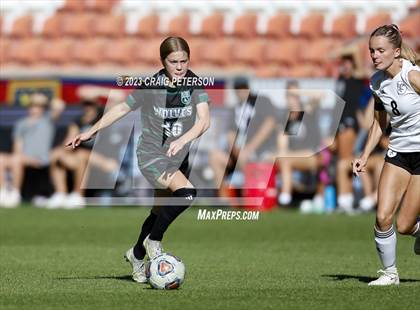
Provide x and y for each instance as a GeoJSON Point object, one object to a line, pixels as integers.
{"type": "Point", "coordinates": [273, 63]}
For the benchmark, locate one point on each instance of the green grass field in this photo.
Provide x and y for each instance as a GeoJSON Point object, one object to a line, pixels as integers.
{"type": "Point", "coordinates": [74, 260]}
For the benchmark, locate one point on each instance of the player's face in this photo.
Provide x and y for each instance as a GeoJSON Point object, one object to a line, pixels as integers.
{"type": "Point", "coordinates": [176, 64]}
{"type": "Point", "coordinates": [382, 52]}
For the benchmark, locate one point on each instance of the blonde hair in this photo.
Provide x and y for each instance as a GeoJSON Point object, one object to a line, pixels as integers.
{"type": "Point", "coordinates": [393, 34]}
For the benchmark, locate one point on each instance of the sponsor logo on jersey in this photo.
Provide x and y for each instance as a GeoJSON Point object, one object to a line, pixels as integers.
{"type": "Point", "coordinates": [391, 153]}
{"type": "Point", "coordinates": [185, 97]}
{"type": "Point", "coordinates": [401, 88]}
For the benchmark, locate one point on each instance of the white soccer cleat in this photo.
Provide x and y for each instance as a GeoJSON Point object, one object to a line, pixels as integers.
{"type": "Point", "coordinates": [153, 247]}
{"type": "Point", "coordinates": [388, 276]}
{"type": "Point", "coordinates": [138, 274]}
{"type": "Point", "coordinates": [417, 246]}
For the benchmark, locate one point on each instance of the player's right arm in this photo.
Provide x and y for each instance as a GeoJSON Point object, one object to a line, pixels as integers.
{"type": "Point", "coordinates": [106, 120]}
{"type": "Point", "coordinates": [375, 133]}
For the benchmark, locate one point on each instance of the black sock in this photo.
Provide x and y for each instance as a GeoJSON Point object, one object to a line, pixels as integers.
{"type": "Point", "coordinates": [167, 214]}
{"type": "Point", "coordinates": [138, 249]}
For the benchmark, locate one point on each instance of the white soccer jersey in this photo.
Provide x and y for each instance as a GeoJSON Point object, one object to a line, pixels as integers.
{"type": "Point", "coordinates": [402, 103]}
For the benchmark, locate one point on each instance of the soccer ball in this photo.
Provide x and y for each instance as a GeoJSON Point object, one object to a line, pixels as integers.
{"type": "Point", "coordinates": [165, 272]}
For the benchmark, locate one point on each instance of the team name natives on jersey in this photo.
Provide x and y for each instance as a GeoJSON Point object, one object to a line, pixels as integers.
{"type": "Point", "coordinates": [171, 113]}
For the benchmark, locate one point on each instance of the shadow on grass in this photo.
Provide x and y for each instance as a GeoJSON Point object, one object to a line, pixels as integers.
{"type": "Point", "coordinates": [120, 278]}
{"type": "Point", "coordinates": [342, 277]}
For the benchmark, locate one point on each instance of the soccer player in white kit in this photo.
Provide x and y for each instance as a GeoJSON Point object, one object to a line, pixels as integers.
{"type": "Point", "coordinates": [396, 88]}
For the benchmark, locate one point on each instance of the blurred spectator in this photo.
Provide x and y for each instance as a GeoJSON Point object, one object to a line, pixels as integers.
{"type": "Point", "coordinates": [370, 179]}
{"type": "Point", "coordinates": [300, 140]}
{"type": "Point", "coordinates": [350, 89]}
{"type": "Point", "coordinates": [76, 161]}
{"type": "Point", "coordinates": [251, 136]}
{"type": "Point", "coordinates": [32, 142]}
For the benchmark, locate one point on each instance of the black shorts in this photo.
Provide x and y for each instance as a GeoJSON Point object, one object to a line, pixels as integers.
{"type": "Point", "coordinates": [152, 166]}
{"type": "Point", "coordinates": [407, 161]}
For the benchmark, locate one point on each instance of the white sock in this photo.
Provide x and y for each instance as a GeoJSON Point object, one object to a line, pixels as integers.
{"type": "Point", "coordinates": [416, 233]}
{"type": "Point", "coordinates": [386, 244]}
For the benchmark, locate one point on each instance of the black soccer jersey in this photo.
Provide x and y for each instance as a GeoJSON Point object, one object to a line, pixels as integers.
{"type": "Point", "coordinates": [166, 112]}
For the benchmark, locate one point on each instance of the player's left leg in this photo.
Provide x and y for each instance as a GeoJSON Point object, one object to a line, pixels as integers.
{"type": "Point", "coordinates": [408, 222]}
{"type": "Point", "coordinates": [184, 193]}
{"type": "Point", "coordinates": [392, 186]}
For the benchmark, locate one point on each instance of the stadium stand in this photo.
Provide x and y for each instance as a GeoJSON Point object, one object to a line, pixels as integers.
{"type": "Point", "coordinates": [257, 34]}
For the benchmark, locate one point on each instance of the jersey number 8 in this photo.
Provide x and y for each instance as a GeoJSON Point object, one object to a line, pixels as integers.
{"type": "Point", "coordinates": [395, 108]}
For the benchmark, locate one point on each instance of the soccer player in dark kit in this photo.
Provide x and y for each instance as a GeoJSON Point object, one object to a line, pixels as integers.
{"type": "Point", "coordinates": [174, 112]}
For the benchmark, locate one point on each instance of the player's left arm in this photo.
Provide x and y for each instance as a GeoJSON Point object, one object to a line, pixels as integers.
{"type": "Point", "coordinates": [414, 79]}
{"type": "Point", "coordinates": [201, 125]}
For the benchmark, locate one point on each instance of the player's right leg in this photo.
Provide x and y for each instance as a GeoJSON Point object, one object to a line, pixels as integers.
{"type": "Point", "coordinates": [392, 185]}
{"type": "Point", "coordinates": [408, 221]}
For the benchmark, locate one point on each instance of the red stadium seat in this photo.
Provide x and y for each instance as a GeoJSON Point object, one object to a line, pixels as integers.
{"type": "Point", "coordinates": [88, 52]}
{"type": "Point", "coordinates": [103, 6]}
{"type": "Point", "coordinates": [109, 25]}
{"type": "Point", "coordinates": [278, 26]}
{"type": "Point", "coordinates": [312, 26]}
{"type": "Point", "coordinates": [410, 26]}
{"type": "Point", "coordinates": [78, 25]}
{"type": "Point", "coordinates": [25, 51]}
{"type": "Point", "coordinates": [217, 52]}
{"type": "Point", "coordinates": [245, 26]}
{"type": "Point", "coordinates": [148, 26]}
{"type": "Point", "coordinates": [286, 52]}
{"type": "Point", "coordinates": [344, 26]}
{"type": "Point", "coordinates": [57, 51]}
{"type": "Point", "coordinates": [179, 26]}
{"type": "Point", "coordinates": [22, 27]}
{"type": "Point", "coordinates": [4, 50]}
{"type": "Point", "coordinates": [53, 26]}
{"type": "Point", "coordinates": [196, 50]}
{"type": "Point", "coordinates": [318, 51]}
{"type": "Point", "coordinates": [120, 52]}
{"type": "Point", "coordinates": [73, 6]}
{"type": "Point", "coordinates": [212, 26]}
{"type": "Point", "coordinates": [248, 52]}
{"type": "Point", "coordinates": [377, 20]}
{"type": "Point", "coordinates": [148, 52]}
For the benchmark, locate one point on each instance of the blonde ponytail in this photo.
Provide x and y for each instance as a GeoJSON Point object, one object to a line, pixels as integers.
{"type": "Point", "coordinates": [409, 54]}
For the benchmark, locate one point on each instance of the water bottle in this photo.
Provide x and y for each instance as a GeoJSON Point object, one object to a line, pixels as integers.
{"type": "Point", "coordinates": [330, 198]}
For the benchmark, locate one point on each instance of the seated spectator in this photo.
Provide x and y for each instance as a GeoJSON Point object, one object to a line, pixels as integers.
{"type": "Point", "coordinates": [65, 159]}
{"type": "Point", "coordinates": [370, 179]}
{"type": "Point", "coordinates": [300, 140]}
{"type": "Point", "coordinates": [32, 141]}
{"type": "Point", "coordinates": [351, 90]}
{"type": "Point", "coordinates": [251, 136]}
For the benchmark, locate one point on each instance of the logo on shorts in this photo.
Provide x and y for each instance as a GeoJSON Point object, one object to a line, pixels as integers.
{"type": "Point", "coordinates": [401, 88]}
{"type": "Point", "coordinates": [185, 97]}
{"type": "Point", "coordinates": [391, 153]}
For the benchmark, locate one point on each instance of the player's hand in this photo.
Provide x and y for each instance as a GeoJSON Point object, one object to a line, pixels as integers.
{"type": "Point", "coordinates": [175, 147]}
{"type": "Point", "coordinates": [75, 142]}
{"type": "Point", "coordinates": [359, 165]}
